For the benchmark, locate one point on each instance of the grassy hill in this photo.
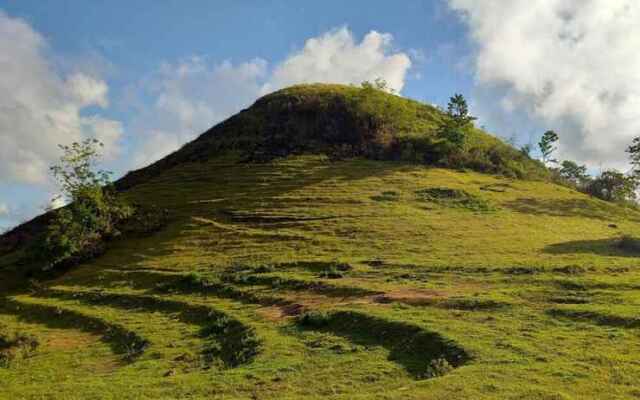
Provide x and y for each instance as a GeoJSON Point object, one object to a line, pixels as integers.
{"type": "Point", "coordinates": [337, 269]}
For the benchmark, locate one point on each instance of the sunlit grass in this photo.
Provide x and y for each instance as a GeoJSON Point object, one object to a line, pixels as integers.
{"type": "Point", "coordinates": [534, 290]}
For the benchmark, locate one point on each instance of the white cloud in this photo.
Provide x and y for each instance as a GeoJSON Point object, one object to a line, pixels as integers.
{"type": "Point", "coordinates": [88, 91]}
{"type": "Point", "coordinates": [573, 66]}
{"type": "Point", "coordinates": [192, 95]}
{"type": "Point", "coordinates": [39, 108]}
{"type": "Point", "coordinates": [4, 210]}
{"type": "Point", "coordinates": [335, 57]}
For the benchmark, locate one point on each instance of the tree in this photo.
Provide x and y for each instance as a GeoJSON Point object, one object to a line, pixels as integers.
{"type": "Point", "coordinates": [634, 155]}
{"type": "Point", "coordinates": [547, 146]}
{"type": "Point", "coordinates": [454, 127]}
{"type": "Point", "coordinates": [458, 110]}
{"type": "Point", "coordinates": [613, 185]}
{"type": "Point", "coordinates": [76, 170]}
{"type": "Point", "coordinates": [574, 173]}
{"type": "Point", "coordinates": [79, 229]}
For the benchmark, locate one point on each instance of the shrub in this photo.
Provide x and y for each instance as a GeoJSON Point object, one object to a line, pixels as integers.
{"type": "Point", "coordinates": [314, 319]}
{"type": "Point", "coordinates": [573, 174]}
{"type": "Point", "coordinates": [438, 367]}
{"type": "Point", "coordinates": [454, 198]}
{"type": "Point", "coordinates": [455, 126]}
{"type": "Point", "coordinates": [78, 231]}
{"type": "Point", "coordinates": [612, 185]}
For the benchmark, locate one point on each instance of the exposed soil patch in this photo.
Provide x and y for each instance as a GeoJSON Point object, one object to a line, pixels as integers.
{"type": "Point", "coordinates": [64, 341]}
{"type": "Point", "coordinates": [280, 312]}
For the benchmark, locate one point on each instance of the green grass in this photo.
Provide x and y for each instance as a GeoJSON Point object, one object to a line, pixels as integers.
{"type": "Point", "coordinates": [536, 297]}
{"type": "Point", "coordinates": [289, 276]}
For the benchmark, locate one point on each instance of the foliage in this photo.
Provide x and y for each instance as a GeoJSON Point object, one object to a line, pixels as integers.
{"type": "Point", "coordinates": [547, 146]}
{"type": "Point", "coordinates": [634, 155]}
{"type": "Point", "coordinates": [574, 174]}
{"type": "Point", "coordinates": [458, 110]}
{"type": "Point", "coordinates": [612, 185]}
{"type": "Point", "coordinates": [438, 367]}
{"type": "Point", "coordinates": [343, 122]}
{"type": "Point", "coordinates": [526, 150]}
{"type": "Point", "coordinates": [454, 198]}
{"type": "Point", "coordinates": [76, 170]}
{"type": "Point", "coordinates": [78, 231]}
{"type": "Point", "coordinates": [457, 121]}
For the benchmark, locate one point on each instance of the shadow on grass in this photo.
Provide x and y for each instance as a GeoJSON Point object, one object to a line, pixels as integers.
{"type": "Point", "coordinates": [122, 341]}
{"type": "Point", "coordinates": [229, 340]}
{"type": "Point", "coordinates": [603, 247]}
{"type": "Point", "coordinates": [277, 282]}
{"type": "Point", "coordinates": [585, 208]}
{"type": "Point", "coordinates": [595, 317]}
{"type": "Point", "coordinates": [423, 354]}
{"type": "Point", "coordinates": [194, 284]}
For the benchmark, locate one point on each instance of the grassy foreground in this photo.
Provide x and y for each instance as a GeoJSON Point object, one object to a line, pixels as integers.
{"type": "Point", "coordinates": [304, 278]}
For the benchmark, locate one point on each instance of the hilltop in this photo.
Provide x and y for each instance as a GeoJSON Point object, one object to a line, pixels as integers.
{"type": "Point", "coordinates": [341, 122]}
{"type": "Point", "coordinates": [316, 247]}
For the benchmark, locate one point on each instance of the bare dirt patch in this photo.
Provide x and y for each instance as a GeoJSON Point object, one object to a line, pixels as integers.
{"type": "Point", "coordinates": [279, 312]}
{"type": "Point", "coordinates": [65, 341]}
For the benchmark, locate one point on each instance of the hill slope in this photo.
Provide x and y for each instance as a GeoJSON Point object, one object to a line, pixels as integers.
{"type": "Point", "coordinates": [305, 276]}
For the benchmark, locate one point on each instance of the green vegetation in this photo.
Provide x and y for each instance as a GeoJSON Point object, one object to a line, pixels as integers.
{"type": "Point", "coordinates": [574, 175]}
{"type": "Point", "coordinates": [613, 186]}
{"type": "Point", "coordinates": [323, 275]}
{"type": "Point", "coordinates": [547, 146]}
{"type": "Point", "coordinates": [344, 122]}
{"type": "Point", "coordinates": [79, 230]}
{"type": "Point", "coordinates": [454, 128]}
{"type": "Point", "coordinates": [454, 198]}
{"type": "Point", "coordinates": [15, 346]}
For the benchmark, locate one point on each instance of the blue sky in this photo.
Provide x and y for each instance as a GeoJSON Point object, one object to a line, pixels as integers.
{"type": "Point", "coordinates": [146, 76]}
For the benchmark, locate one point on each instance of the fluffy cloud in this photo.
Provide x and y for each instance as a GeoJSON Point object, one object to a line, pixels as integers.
{"type": "Point", "coordinates": [39, 108]}
{"type": "Point", "coordinates": [573, 66]}
{"type": "Point", "coordinates": [4, 210]}
{"type": "Point", "coordinates": [192, 95]}
{"type": "Point", "coordinates": [336, 57]}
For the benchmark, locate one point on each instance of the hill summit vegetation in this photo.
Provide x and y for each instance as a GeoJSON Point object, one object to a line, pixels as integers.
{"type": "Point", "coordinates": [347, 121]}
{"type": "Point", "coordinates": [329, 242]}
